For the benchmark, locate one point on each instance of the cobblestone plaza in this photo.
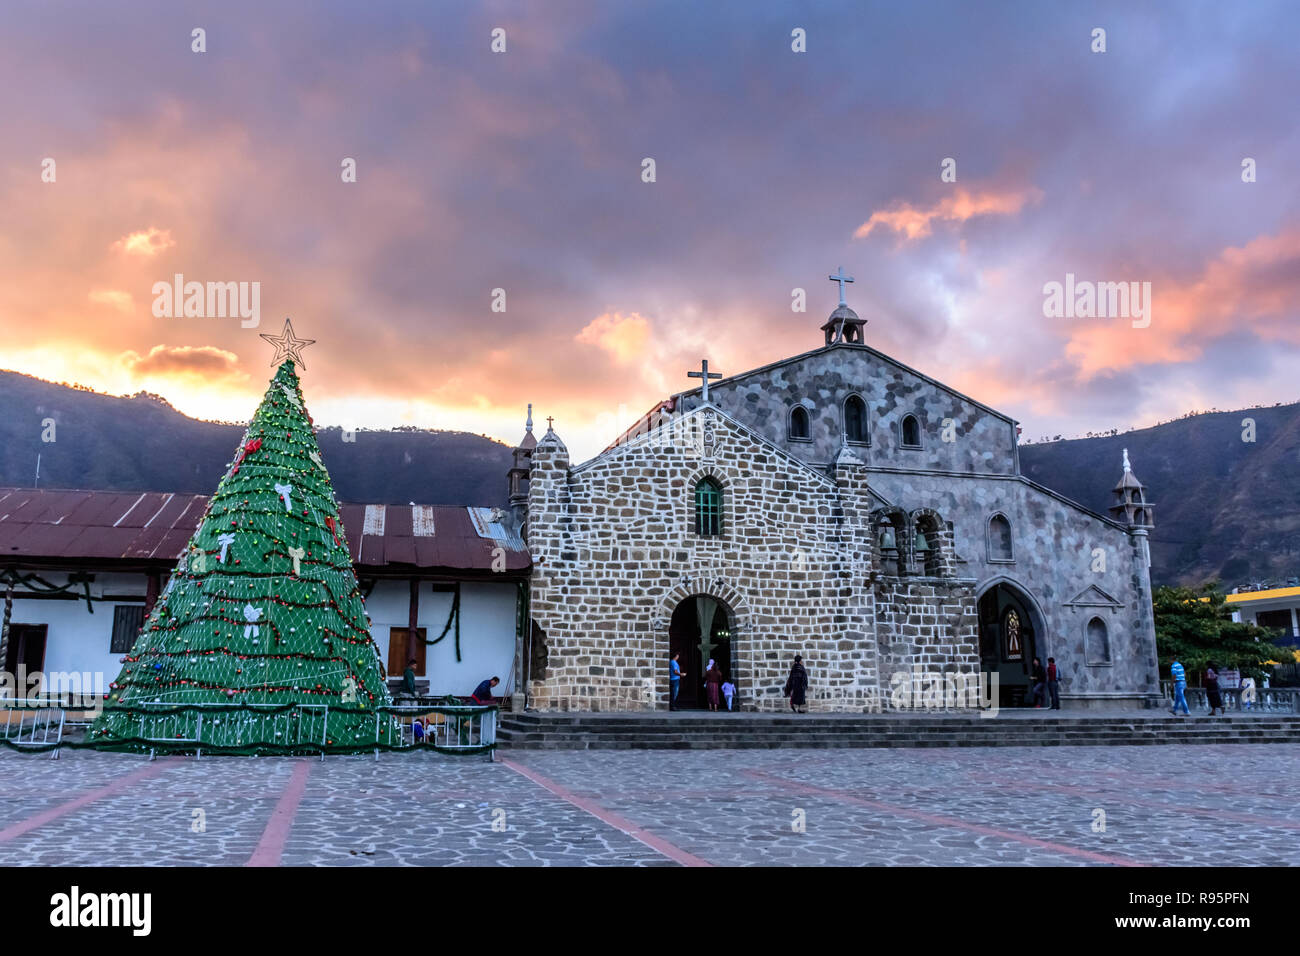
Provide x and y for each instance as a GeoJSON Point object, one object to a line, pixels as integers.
{"type": "Point", "coordinates": [1168, 805]}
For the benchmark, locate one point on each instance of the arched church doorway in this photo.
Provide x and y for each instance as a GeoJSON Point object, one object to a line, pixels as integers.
{"type": "Point", "coordinates": [700, 629]}
{"type": "Point", "coordinates": [1010, 639]}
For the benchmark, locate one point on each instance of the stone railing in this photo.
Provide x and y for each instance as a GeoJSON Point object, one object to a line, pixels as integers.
{"type": "Point", "coordinates": [1268, 700]}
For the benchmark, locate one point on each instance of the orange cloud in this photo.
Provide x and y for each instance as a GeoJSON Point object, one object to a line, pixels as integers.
{"type": "Point", "coordinates": [623, 336]}
{"type": "Point", "coordinates": [114, 298]}
{"type": "Point", "coordinates": [1254, 289]}
{"type": "Point", "coordinates": [147, 242]}
{"type": "Point", "coordinates": [914, 222]}
{"type": "Point", "coordinates": [173, 361]}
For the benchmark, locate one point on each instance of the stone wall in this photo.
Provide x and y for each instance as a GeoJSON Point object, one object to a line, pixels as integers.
{"type": "Point", "coordinates": [800, 569]}
{"type": "Point", "coordinates": [1073, 566]}
{"type": "Point", "coordinates": [823, 380]}
{"type": "Point", "coordinates": [615, 552]}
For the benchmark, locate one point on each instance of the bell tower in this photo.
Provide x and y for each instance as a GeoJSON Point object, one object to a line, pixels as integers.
{"type": "Point", "coordinates": [523, 454]}
{"type": "Point", "coordinates": [1130, 506]}
{"type": "Point", "coordinates": [843, 326]}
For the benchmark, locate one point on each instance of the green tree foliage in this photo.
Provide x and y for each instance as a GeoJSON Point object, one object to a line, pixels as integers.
{"type": "Point", "coordinates": [1196, 626]}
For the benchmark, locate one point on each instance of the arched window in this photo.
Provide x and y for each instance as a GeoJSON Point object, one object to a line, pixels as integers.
{"type": "Point", "coordinates": [855, 420]}
{"type": "Point", "coordinates": [911, 432]}
{"type": "Point", "coordinates": [1097, 642]}
{"type": "Point", "coordinates": [928, 545]}
{"type": "Point", "coordinates": [708, 508]}
{"type": "Point", "coordinates": [999, 539]}
{"type": "Point", "coordinates": [799, 423]}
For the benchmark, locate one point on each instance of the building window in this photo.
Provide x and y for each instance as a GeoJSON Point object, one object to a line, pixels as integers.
{"type": "Point", "coordinates": [855, 420]}
{"type": "Point", "coordinates": [708, 508]}
{"type": "Point", "coordinates": [799, 423]}
{"type": "Point", "coordinates": [1097, 642]}
{"type": "Point", "coordinates": [911, 432]}
{"type": "Point", "coordinates": [999, 539]}
{"type": "Point", "coordinates": [127, 621]}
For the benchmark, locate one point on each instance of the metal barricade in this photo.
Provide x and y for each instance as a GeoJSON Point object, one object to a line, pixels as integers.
{"type": "Point", "coordinates": [298, 725]}
{"type": "Point", "coordinates": [465, 728]}
{"type": "Point", "coordinates": [40, 723]}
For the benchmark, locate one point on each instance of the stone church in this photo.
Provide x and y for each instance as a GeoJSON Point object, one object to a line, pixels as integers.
{"type": "Point", "coordinates": [839, 505]}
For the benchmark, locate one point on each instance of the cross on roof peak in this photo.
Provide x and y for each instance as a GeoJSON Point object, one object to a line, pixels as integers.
{"type": "Point", "coordinates": [841, 278]}
{"type": "Point", "coordinates": [704, 374]}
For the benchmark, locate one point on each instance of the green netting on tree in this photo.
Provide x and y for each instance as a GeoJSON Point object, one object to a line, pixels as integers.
{"type": "Point", "coordinates": [263, 608]}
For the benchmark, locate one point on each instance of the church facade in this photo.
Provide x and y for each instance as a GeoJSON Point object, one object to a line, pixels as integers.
{"type": "Point", "coordinates": [837, 505]}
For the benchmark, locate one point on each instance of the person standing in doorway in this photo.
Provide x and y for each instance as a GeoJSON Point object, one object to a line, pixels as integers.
{"type": "Point", "coordinates": [728, 692]}
{"type": "Point", "coordinates": [408, 677]}
{"type": "Point", "coordinates": [796, 686]}
{"type": "Point", "coordinates": [1039, 677]}
{"type": "Point", "coordinates": [713, 683]}
{"type": "Point", "coordinates": [1179, 676]}
{"type": "Point", "coordinates": [675, 675]}
{"type": "Point", "coordinates": [1054, 682]}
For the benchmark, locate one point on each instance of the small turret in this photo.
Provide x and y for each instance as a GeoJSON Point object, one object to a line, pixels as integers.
{"type": "Point", "coordinates": [1130, 506]}
{"type": "Point", "coordinates": [518, 474]}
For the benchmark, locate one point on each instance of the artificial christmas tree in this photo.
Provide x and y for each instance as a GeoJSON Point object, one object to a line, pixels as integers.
{"type": "Point", "coordinates": [260, 642]}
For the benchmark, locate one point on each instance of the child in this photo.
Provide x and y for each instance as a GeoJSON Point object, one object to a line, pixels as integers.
{"type": "Point", "coordinates": [417, 730]}
{"type": "Point", "coordinates": [728, 690]}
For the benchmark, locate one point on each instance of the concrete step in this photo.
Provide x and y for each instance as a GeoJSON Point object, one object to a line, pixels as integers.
{"type": "Point", "coordinates": [742, 731]}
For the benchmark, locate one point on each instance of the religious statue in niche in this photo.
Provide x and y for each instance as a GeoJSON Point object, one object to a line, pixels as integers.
{"type": "Point", "coordinates": [1011, 636]}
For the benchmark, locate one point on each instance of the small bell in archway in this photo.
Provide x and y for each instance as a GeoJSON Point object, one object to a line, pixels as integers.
{"type": "Point", "coordinates": [921, 545]}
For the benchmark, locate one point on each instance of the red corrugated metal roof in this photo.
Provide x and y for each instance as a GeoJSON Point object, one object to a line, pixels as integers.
{"type": "Point", "coordinates": [155, 526]}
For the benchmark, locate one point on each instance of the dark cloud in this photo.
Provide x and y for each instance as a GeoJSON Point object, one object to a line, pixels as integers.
{"type": "Point", "coordinates": [522, 171]}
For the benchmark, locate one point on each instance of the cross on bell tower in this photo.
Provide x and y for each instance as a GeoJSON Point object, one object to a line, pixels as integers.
{"type": "Point", "coordinates": [843, 327]}
{"type": "Point", "coordinates": [841, 278]}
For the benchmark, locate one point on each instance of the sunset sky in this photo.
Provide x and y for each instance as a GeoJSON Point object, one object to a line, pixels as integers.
{"type": "Point", "coordinates": [522, 170]}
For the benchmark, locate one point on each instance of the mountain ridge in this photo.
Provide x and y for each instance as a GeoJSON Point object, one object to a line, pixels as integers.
{"type": "Point", "coordinates": [1226, 508]}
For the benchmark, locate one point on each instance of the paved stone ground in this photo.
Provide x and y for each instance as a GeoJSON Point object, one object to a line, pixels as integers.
{"type": "Point", "coordinates": [1196, 805]}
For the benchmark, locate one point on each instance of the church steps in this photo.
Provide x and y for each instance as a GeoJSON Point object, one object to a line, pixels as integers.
{"type": "Point", "coordinates": [743, 731]}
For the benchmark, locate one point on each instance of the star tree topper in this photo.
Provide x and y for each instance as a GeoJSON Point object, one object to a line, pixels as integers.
{"type": "Point", "coordinates": [288, 346]}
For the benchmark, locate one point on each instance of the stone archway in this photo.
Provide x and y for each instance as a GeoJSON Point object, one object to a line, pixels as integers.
{"type": "Point", "coordinates": [1012, 632]}
{"type": "Point", "coordinates": [685, 609]}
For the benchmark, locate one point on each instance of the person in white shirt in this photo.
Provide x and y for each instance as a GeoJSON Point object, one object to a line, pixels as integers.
{"type": "Point", "coordinates": [728, 691]}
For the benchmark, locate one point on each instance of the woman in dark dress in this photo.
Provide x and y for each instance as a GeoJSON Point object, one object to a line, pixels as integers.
{"type": "Point", "coordinates": [796, 685]}
{"type": "Point", "coordinates": [1212, 689]}
{"type": "Point", "coordinates": [713, 681]}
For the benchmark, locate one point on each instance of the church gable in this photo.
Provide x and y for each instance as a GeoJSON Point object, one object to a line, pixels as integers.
{"type": "Point", "coordinates": [708, 434]}
{"type": "Point", "coordinates": [889, 414]}
{"type": "Point", "coordinates": [1093, 596]}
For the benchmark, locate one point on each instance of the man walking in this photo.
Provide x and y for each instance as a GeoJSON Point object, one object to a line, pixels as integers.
{"type": "Point", "coordinates": [1179, 675]}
